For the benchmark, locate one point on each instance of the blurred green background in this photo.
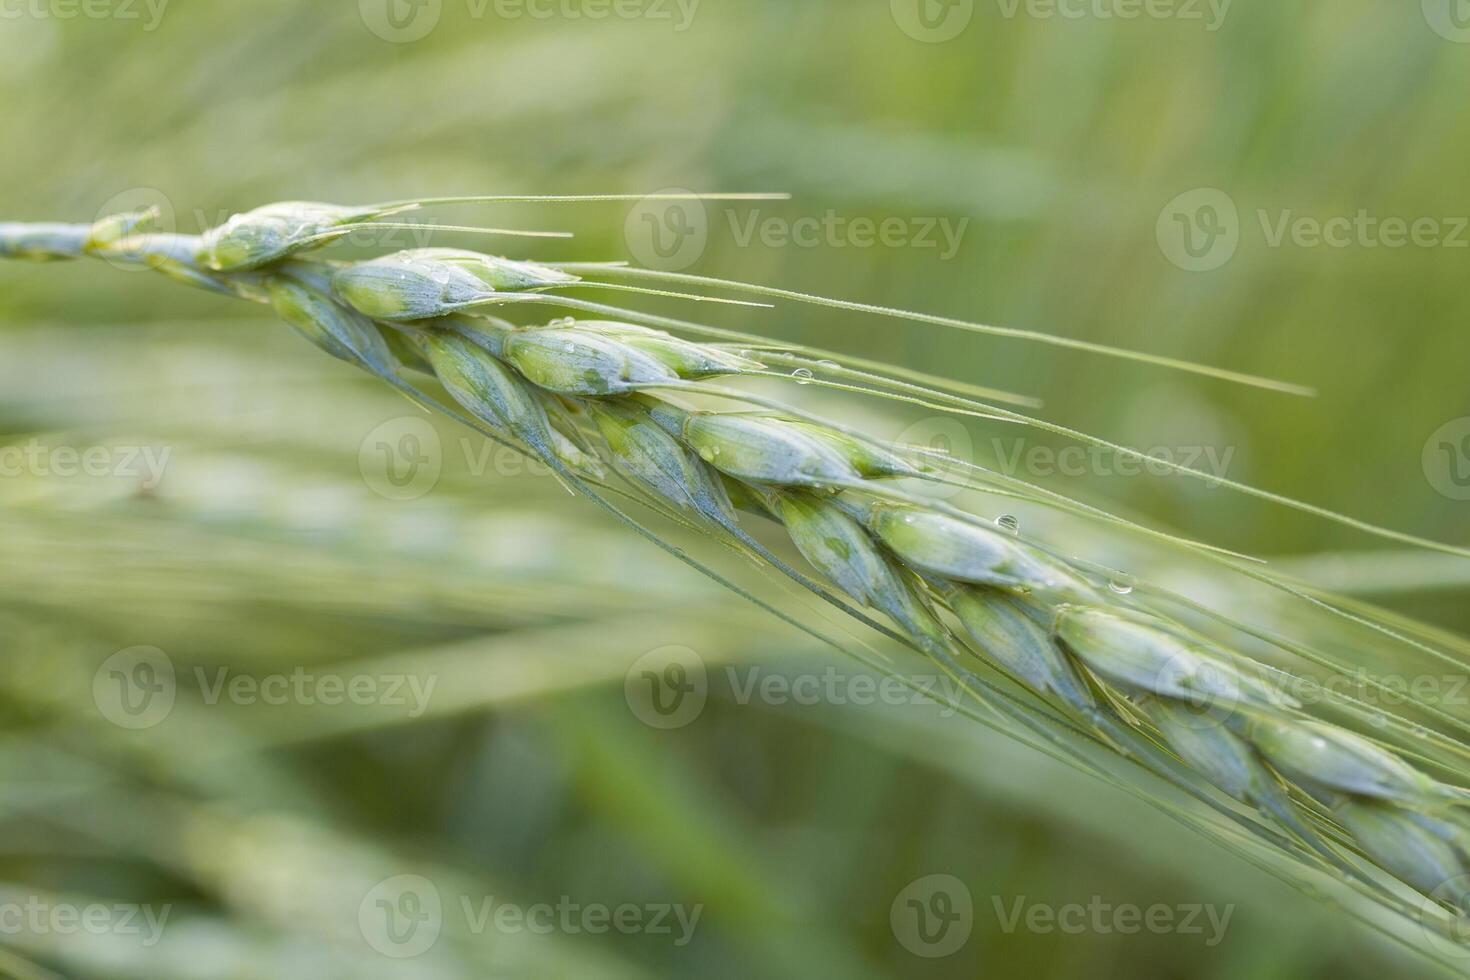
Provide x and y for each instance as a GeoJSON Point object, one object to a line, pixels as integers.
{"type": "Point", "coordinates": [1149, 181]}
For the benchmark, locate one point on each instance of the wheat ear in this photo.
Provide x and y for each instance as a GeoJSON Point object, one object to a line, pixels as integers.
{"type": "Point", "coordinates": [1036, 638]}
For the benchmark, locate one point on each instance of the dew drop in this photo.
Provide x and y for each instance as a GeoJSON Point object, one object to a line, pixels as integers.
{"type": "Point", "coordinates": [1008, 523]}
{"type": "Point", "coordinates": [829, 365]}
{"type": "Point", "coordinates": [1377, 720]}
{"type": "Point", "coordinates": [571, 348]}
{"type": "Point", "coordinates": [803, 375]}
{"type": "Point", "coordinates": [1419, 731]}
{"type": "Point", "coordinates": [908, 518]}
{"type": "Point", "coordinates": [1122, 583]}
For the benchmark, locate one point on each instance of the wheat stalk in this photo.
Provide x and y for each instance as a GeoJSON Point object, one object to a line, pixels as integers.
{"type": "Point", "coordinates": [1039, 641]}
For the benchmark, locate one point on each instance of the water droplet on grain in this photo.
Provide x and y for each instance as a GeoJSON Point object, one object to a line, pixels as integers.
{"type": "Point", "coordinates": [802, 375]}
{"type": "Point", "coordinates": [1377, 720]}
{"type": "Point", "coordinates": [1008, 523]}
{"type": "Point", "coordinates": [829, 365]}
{"type": "Point", "coordinates": [1122, 583]}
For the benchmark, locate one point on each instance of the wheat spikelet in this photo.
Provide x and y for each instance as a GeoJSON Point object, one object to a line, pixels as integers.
{"type": "Point", "coordinates": [592, 395]}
